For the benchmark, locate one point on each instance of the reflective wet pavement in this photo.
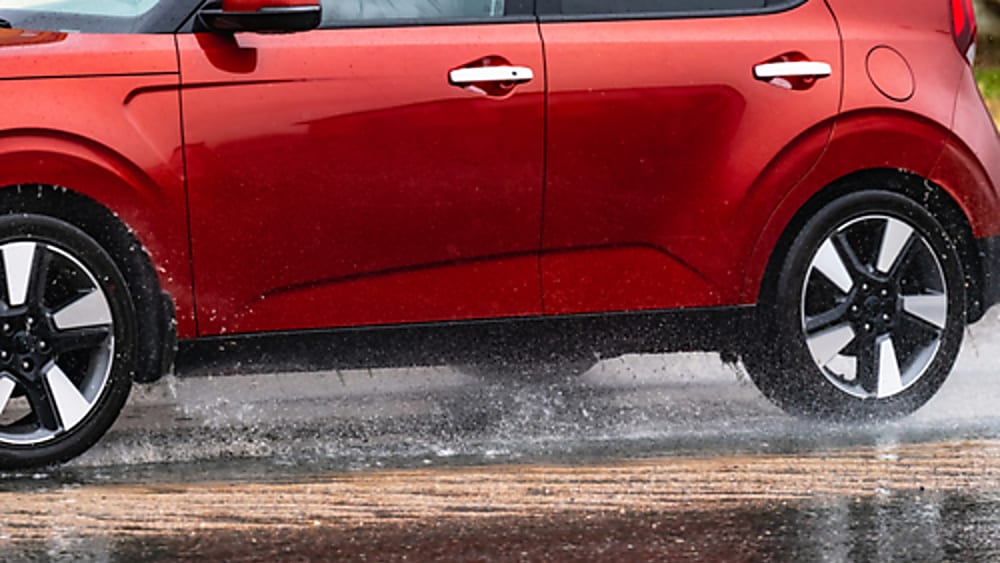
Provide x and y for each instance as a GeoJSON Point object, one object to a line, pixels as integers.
{"type": "Point", "coordinates": [926, 502]}
{"type": "Point", "coordinates": [669, 458]}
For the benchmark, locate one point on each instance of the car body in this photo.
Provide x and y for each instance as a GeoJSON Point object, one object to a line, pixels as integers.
{"type": "Point", "coordinates": [398, 183]}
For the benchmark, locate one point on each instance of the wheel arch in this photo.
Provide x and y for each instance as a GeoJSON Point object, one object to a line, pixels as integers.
{"type": "Point", "coordinates": [922, 158]}
{"type": "Point", "coordinates": [155, 310]}
{"type": "Point", "coordinates": [923, 191]}
{"type": "Point", "coordinates": [149, 198]}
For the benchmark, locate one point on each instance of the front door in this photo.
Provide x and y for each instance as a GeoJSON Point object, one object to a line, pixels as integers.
{"type": "Point", "coordinates": [374, 171]}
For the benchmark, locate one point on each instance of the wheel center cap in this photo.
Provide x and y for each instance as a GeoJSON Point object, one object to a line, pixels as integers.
{"type": "Point", "coordinates": [24, 343]}
{"type": "Point", "coordinates": [872, 306]}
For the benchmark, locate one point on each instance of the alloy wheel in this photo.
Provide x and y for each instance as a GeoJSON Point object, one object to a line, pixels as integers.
{"type": "Point", "coordinates": [57, 342]}
{"type": "Point", "coordinates": [874, 306]}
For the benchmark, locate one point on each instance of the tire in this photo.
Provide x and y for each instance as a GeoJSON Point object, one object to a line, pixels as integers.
{"type": "Point", "coordinates": [67, 341]}
{"type": "Point", "coordinates": [865, 315]}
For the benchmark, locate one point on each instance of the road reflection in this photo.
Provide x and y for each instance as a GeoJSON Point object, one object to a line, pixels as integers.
{"type": "Point", "coordinates": [933, 501]}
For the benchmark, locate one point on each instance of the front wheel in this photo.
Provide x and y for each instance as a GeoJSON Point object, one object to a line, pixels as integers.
{"type": "Point", "coordinates": [865, 316]}
{"type": "Point", "coordinates": [67, 341]}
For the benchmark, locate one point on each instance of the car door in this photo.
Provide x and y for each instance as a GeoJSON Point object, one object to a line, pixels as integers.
{"type": "Point", "coordinates": [667, 120]}
{"type": "Point", "coordinates": [385, 168]}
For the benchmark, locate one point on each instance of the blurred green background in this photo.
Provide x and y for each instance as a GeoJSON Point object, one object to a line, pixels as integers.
{"type": "Point", "coordinates": [988, 54]}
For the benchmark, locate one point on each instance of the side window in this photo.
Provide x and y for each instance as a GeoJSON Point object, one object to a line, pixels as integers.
{"type": "Point", "coordinates": [341, 12]}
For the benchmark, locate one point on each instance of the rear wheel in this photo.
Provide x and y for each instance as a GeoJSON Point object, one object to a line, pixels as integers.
{"type": "Point", "coordinates": [67, 341]}
{"type": "Point", "coordinates": [865, 316]}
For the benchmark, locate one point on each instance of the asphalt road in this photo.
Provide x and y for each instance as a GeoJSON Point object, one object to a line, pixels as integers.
{"type": "Point", "coordinates": [654, 457]}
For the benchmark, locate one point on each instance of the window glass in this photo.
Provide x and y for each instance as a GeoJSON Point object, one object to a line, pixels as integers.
{"type": "Point", "coordinates": [578, 7]}
{"type": "Point", "coordinates": [341, 11]}
{"type": "Point", "coordinates": [112, 8]}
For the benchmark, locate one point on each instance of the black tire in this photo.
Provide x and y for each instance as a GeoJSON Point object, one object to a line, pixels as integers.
{"type": "Point", "coordinates": [77, 330]}
{"type": "Point", "coordinates": [876, 344]}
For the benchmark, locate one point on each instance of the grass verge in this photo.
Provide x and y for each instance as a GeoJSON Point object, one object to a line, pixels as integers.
{"type": "Point", "coordinates": [988, 79]}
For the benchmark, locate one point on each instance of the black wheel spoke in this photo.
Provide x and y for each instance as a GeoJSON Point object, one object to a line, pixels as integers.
{"type": "Point", "coordinates": [857, 268]}
{"type": "Point", "coordinates": [39, 276]}
{"type": "Point", "coordinates": [868, 364]}
{"type": "Point", "coordinates": [899, 266]}
{"type": "Point", "coordinates": [42, 406]}
{"type": "Point", "coordinates": [62, 342]}
{"type": "Point", "coordinates": [827, 319]}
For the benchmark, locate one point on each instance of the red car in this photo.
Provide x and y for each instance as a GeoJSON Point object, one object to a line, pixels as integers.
{"type": "Point", "coordinates": [808, 185]}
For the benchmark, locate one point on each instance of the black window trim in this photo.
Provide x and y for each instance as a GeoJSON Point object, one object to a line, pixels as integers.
{"type": "Point", "coordinates": [549, 11]}
{"type": "Point", "coordinates": [516, 11]}
{"type": "Point", "coordinates": [430, 22]}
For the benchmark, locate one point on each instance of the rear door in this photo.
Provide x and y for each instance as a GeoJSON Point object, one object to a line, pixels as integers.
{"type": "Point", "coordinates": [663, 117]}
{"type": "Point", "coordinates": [347, 176]}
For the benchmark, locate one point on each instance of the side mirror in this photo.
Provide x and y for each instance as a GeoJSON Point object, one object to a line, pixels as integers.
{"type": "Point", "coordinates": [262, 16]}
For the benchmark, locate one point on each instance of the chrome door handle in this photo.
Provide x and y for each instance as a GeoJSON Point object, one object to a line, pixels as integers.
{"type": "Point", "coordinates": [480, 74]}
{"type": "Point", "coordinates": [787, 69]}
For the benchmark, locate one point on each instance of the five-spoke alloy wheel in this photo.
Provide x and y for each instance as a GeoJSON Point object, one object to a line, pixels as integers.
{"type": "Point", "coordinates": [866, 315]}
{"type": "Point", "coordinates": [66, 341]}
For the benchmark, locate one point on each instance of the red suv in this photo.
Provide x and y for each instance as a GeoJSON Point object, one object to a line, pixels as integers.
{"type": "Point", "coordinates": [808, 185]}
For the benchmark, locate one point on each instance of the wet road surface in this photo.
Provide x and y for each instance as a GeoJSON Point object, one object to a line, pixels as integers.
{"type": "Point", "coordinates": [655, 457]}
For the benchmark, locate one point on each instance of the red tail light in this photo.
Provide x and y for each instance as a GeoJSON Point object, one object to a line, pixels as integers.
{"type": "Point", "coordinates": [963, 25]}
